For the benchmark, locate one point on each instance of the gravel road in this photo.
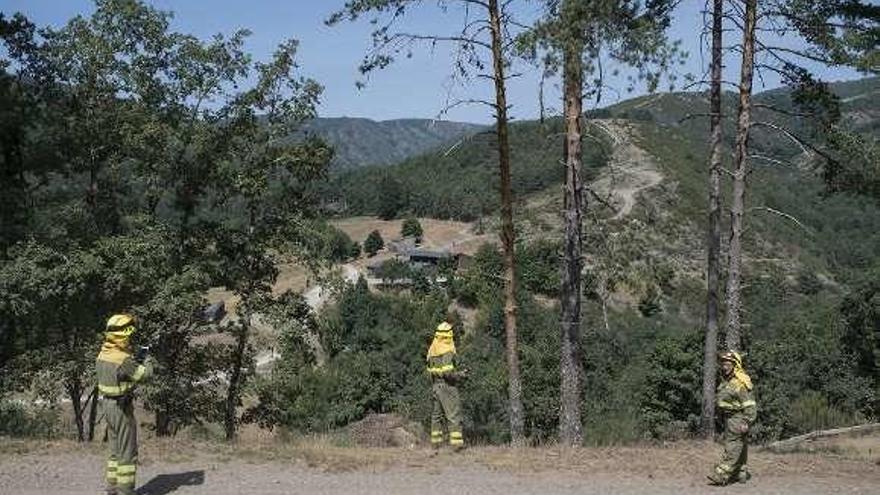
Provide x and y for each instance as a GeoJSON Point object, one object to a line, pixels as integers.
{"type": "Point", "coordinates": [484, 471]}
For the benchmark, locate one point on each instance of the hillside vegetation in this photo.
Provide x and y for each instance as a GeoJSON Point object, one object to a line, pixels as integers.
{"type": "Point", "coordinates": [359, 142]}
{"type": "Point", "coordinates": [810, 260]}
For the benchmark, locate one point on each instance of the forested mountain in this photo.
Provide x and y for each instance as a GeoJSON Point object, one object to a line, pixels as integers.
{"type": "Point", "coordinates": [358, 142]}
{"type": "Point", "coordinates": [810, 258]}
{"type": "Point", "coordinates": [459, 183]}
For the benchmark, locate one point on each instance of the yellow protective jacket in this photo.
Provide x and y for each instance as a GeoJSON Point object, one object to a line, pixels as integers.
{"type": "Point", "coordinates": [735, 399]}
{"type": "Point", "coordinates": [117, 371]}
{"type": "Point", "coordinates": [441, 357]}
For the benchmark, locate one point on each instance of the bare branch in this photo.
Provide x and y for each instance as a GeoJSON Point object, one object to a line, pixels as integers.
{"type": "Point", "coordinates": [600, 199]}
{"type": "Point", "coordinates": [805, 147]}
{"type": "Point", "coordinates": [771, 160]}
{"type": "Point", "coordinates": [433, 38]}
{"type": "Point", "coordinates": [477, 2]}
{"type": "Point", "coordinates": [707, 81]}
{"type": "Point", "coordinates": [784, 215]}
{"type": "Point", "coordinates": [469, 101]}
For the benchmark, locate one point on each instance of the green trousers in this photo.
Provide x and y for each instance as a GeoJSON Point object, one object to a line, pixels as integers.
{"type": "Point", "coordinates": [447, 406]}
{"type": "Point", "coordinates": [122, 436]}
{"type": "Point", "coordinates": [736, 453]}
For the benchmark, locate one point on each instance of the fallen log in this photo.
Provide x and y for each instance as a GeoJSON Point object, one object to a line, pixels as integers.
{"type": "Point", "coordinates": [789, 443]}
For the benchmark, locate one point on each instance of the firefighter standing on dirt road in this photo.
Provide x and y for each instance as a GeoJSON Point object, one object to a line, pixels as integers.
{"type": "Point", "coordinates": [736, 401]}
{"type": "Point", "coordinates": [118, 373]}
{"type": "Point", "coordinates": [441, 362]}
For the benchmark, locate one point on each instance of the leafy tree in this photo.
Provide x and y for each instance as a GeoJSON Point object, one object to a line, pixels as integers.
{"type": "Point", "coordinates": [154, 196]}
{"type": "Point", "coordinates": [394, 269]}
{"type": "Point", "coordinates": [412, 228]}
{"type": "Point", "coordinates": [392, 198]}
{"type": "Point", "coordinates": [861, 330]}
{"type": "Point", "coordinates": [373, 243]}
{"type": "Point", "coordinates": [262, 116]}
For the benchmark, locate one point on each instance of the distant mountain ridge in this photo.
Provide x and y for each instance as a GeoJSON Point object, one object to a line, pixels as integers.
{"type": "Point", "coordinates": [359, 141]}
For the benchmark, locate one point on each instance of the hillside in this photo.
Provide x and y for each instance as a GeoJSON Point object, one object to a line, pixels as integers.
{"type": "Point", "coordinates": [359, 142]}
{"type": "Point", "coordinates": [860, 107]}
{"type": "Point", "coordinates": [806, 253]}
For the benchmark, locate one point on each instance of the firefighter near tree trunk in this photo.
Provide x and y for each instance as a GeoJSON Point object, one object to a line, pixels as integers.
{"type": "Point", "coordinates": [119, 372]}
{"type": "Point", "coordinates": [441, 364]}
{"type": "Point", "coordinates": [736, 401]}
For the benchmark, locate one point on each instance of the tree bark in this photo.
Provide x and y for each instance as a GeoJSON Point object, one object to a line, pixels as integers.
{"type": "Point", "coordinates": [93, 413]}
{"type": "Point", "coordinates": [517, 420]}
{"type": "Point", "coordinates": [733, 333]}
{"type": "Point", "coordinates": [713, 268]}
{"type": "Point", "coordinates": [235, 377]}
{"type": "Point", "coordinates": [570, 427]}
{"type": "Point", "coordinates": [74, 392]}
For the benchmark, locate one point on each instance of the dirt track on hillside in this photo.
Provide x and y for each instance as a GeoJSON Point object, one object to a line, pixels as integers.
{"type": "Point", "coordinates": [631, 169]}
{"type": "Point", "coordinates": [329, 471]}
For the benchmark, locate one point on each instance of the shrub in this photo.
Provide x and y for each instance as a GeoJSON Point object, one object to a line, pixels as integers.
{"type": "Point", "coordinates": [341, 247]}
{"type": "Point", "coordinates": [539, 265]}
{"type": "Point", "coordinates": [16, 420]}
{"type": "Point", "coordinates": [412, 228]}
{"type": "Point", "coordinates": [373, 243]}
{"type": "Point", "coordinates": [673, 387]}
{"type": "Point", "coordinates": [375, 345]}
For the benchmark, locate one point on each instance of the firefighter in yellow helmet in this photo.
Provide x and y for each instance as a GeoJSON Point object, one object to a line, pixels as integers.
{"type": "Point", "coordinates": [441, 364]}
{"type": "Point", "coordinates": [736, 401]}
{"type": "Point", "coordinates": [119, 372]}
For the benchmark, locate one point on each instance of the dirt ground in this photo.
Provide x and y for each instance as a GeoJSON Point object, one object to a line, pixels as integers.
{"type": "Point", "coordinates": [274, 468]}
{"type": "Point", "coordinates": [457, 237]}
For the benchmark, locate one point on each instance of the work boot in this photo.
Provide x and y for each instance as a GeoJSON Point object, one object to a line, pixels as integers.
{"type": "Point", "coordinates": [716, 479]}
{"type": "Point", "coordinates": [459, 447]}
{"type": "Point", "coordinates": [743, 476]}
{"type": "Point", "coordinates": [111, 490]}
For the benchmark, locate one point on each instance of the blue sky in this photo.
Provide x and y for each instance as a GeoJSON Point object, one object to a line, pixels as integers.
{"type": "Point", "coordinates": [416, 87]}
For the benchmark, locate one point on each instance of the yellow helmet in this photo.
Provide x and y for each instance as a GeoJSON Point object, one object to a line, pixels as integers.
{"type": "Point", "coordinates": [444, 328]}
{"type": "Point", "coordinates": [120, 325]}
{"type": "Point", "coordinates": [732, 356]}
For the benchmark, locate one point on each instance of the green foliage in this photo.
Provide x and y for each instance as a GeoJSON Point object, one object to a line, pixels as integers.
{"type": "Point", "coordinates": [479, 284]}
{"type": "Point", "coordinates": [539, 266]}
{"type": "Point", "coordinates": [412, 228]}
{"type": "Point", "coordinates": [804, 376]}
{"type": "Point", "coordinates": [375, 346]}
{"type": "Point", "coordinates": [392, 197]}
{"type": "Point", "coordinates": [136, 196]}
{"type": "Point", "coordinates": [359, 142]}
{"type": "Point", "coordinates": [16, 420]}
{"type": "Point", "coordinates": [811, 412]}
{"type": "Point", "coordinates": [638, 115]}
{"type": "Point", "coordinates": [373, 243]}
{"type": "Point", "coordinates": [673, 386]}
{"type": "Point", "coordinates": [394, 269]}
{"type": "Point", "coordinates": [860, 312]}
{"type": "Point", "coordinates": [341, 247]}
{"type": "Point", "coordinates": [462, 184]}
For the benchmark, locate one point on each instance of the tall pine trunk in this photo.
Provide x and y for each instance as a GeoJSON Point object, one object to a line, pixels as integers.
{"type": "Point", "coordinates": [517, 420]}
{"type": "Point", "coordinates": [570, 428]}
{"type": "Point", "coordinates": [710, 347]}
{"type": "Point", "coordinates": [733, 334]}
